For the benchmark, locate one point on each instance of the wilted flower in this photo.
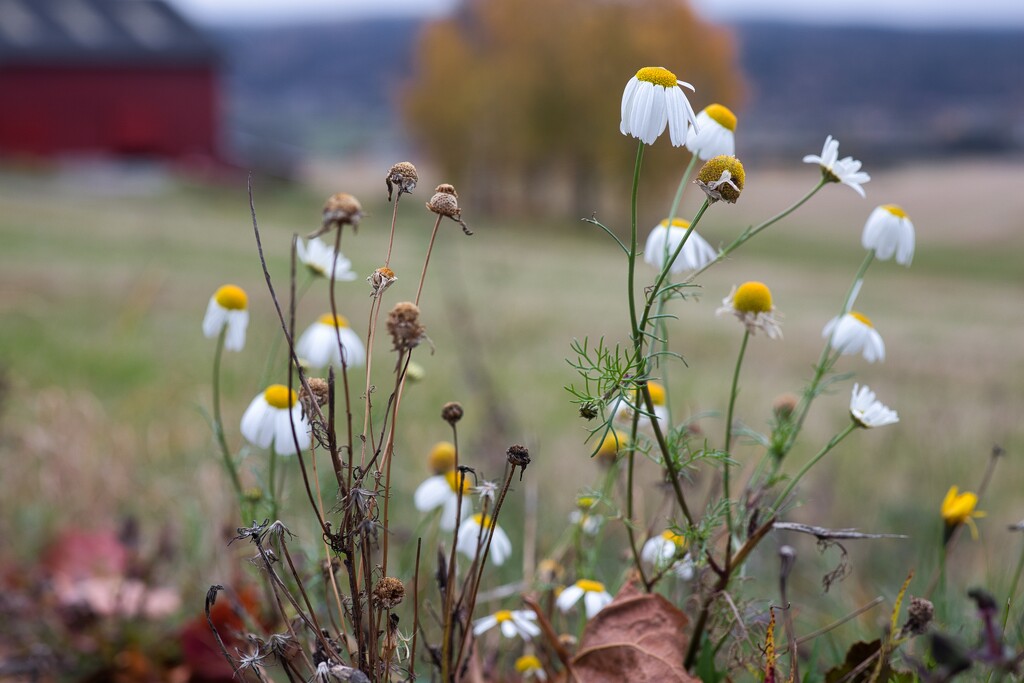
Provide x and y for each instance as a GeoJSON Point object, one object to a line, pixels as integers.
{"type": "Point", "coordinates": [889, 232]}
{"type": "Point", "coordinates": [380, 280]}
{"type": "Point", "coordinates": [722, 178]}
{"type": "Point", "coordinates": [717, 133]}
{"type": "Point", "coordinates": [518, 622]}
{"type": "Point", "coordinates": [445, 202]}
{"type": "Point", "coordinates": [404, 326]}
{"type": "Point", "coordinates": [959, 508]}
{"type": "Point", "coordinates": [664, 240]}
{"type": "Point", "coordinates": [868, 412]}
{"type": "Point", "coordinates": [403, 177]}
{"type": "Point", "coordinates": [441, 491]}
{"type": "Point", "coordinates": [228, 309]}
{"type": "Point", "coordinates": [318, 345]}
{"type": "Point", "coordinates": [835, 170]}
{"type": "Point", "coordinates": [340, 209]}
{"type": "Point", "coordinates": [389, 592]}
{"type": "Point", "coordinates": [475, 529]}
{"type": "Point", "coordinates": [321, 259]}
{"type": "Point", "coordinates": [751, 303]}
{"type": "Point", "coordinates": [594, 595]}
{"type": "Point", "coordinates": [853, 333]}
{"type": "Point", "coordinates": [267, 422]}
{"type": "Point", "coordinates": [653, 100]}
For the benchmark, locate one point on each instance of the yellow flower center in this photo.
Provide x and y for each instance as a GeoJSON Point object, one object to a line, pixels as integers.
{"type": "Point", "coordinates": [503, 615]}
{"type": "Point", "coordinates": [482, 520]}
{"type": "Point", "coordinates": [527, 663]}
{"type": "Point", "coordinates": [333, 320]}
{"type": "Point", "coordinates": [712, 170]}
{"type": "Point", "coordinates": [231, 297]}
{"type": "Point", "coordinates": [658, 76]}
{"type": "Point", "coordinates": [279, 396]}
{"type": "Point", "coordinates": [386, 272]}
{"type": "Point", "coordinates": [613, 441]}
{"type": "Point", "coordinates": [861, 317]}
{"type": "Point", "coordinates": [442, 457]}
{"type": "Point", "coordinates": [590, 586]}
{"type": "Point", "coordinates": [752, 297]}
{"type": "Point", "coordinates": [586, 502]}
{"type": "Point", "coordinates": [453, 480]}
{"type": "Point", "coordinates": [676, 223]}
{"type": "Point", "coordinates": [657, 393]}
{"type": "Point", "coordinates": [673, 537]}
{"type": "Point", "coordinates": [895, 210]}
{"type": "Point", "coordinates": [722, 115]}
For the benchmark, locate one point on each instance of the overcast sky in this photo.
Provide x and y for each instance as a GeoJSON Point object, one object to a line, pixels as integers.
{"type": "Point", "coordinates": [913, 13]}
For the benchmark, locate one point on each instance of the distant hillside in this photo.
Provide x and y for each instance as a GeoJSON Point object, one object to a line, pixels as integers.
{"type": "Point", "coordinates": [892, 93]}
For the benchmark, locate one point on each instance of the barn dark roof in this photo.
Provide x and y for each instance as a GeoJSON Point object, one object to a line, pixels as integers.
{"type": "Point", "coordinates": [98, 32]}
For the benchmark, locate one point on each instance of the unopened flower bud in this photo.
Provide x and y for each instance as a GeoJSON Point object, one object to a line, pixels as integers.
{"type": "Point", "coordinates": [722, 178]}
{"type": "Point", "coordinates": [402, 176]}
{"type": "Point", "coordinates": [784, 406]}
{"type": "Point", "coordinates": [451, 412]}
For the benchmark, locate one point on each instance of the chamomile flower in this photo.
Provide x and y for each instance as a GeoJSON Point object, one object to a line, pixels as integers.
{"type": "Point", "coordinates": [889, 232]}
{"type": "Point", "coordinates": [751, 303]}
{"type": "Point", "coordinates": [853, 333]}
{"type": "Point", "coordinates": [441, 491]}
{"type": "Point", "coordinates": [667, 550]}
{"type": "Point", "coordinates": [267, 422]}
{"type": "Point", "coordinates": [474, 530]}
{"type": "Point", "coordinates": [322, 260]}
{"type": "Point", "coordinates": [442, 457]}
{"type": "Point", "coordinates": [584, 516]}
{"type": "Point", "coordinates": [959, 508]}
{"type": "Point", "coordinates": [868, 412]}
{"type": "Point", "coordinates": [664, 240]}
{"type": "Point", "coordinates": [318, 345]}
{"type": "Point", "coordinates": [513, 622]}
{"type": "Point", "coordinates": [228, 309]}
{"type": "Point", "coordinates": [531, 668]}
{"type": "Point", "coordinates": [594, 595]}
{"type": "Point", "coordinates": [835, 170]}
{"type": "Point", "coordinates": [717, 133]}
{"type": "Point", "coordinates": [624, 413]}
{"type": "Point", "coordinates": [653, 100]}
{"type": "Point", "coordinates": [614, 440]}
{"type": "Point", "coordinates": [722, 178]}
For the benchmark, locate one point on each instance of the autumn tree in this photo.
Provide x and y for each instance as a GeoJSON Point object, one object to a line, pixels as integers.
{"type": "Point", "coordinates": [518, 100]}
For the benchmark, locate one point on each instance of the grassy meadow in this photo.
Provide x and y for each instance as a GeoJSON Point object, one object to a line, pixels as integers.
{"type": "Point", "coordinates": [107, 374]}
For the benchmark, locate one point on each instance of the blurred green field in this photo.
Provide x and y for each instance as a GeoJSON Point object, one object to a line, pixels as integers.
{"type": "Point", "coordinates": [107, 372]}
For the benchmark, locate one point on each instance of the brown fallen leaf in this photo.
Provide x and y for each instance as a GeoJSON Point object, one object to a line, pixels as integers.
{"type": "Point", "coordinates": [638, 637]}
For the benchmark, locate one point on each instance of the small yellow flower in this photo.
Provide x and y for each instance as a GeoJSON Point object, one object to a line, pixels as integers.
{"type": "Point", "coordinates": [958, 508]}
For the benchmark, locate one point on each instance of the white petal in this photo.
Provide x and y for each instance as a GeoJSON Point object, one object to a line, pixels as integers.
{"type": "Point", "coordinates": [569, 597]}
{"type": "Point", "coordinates": [485, 624]}
{"type": "Point", "coordinates": [237, 322]}
{"type": "Point", "coordinates": [215, 318]}
{"type": "Point", "coordinates": [257, 423]}
{"type": "Point", "coordinates": [595, 602]}
{"type": "Point", "coordinates": [432, 493]}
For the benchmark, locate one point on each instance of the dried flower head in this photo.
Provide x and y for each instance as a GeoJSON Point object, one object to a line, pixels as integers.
{"type": "Point", "coordinates": [919, 616]}
{"type": "Point", "coordinates": [785, 405]}
{"type": "Point", "coordinates": [402, 176]}
{"type": "Point", "coordinates": [319, 392]}
{"type": "Point", "coordinates": [451, 412]}
{"type": "Point", "coordinates": [518, 456]}
{"type": "Point", "coordinates": [389, 592]}
{"type": "Point", "coordinates": [380, 280]}
{"type": "Point", "coordinates": [445, 202]}
{"type": "Point", "coordinates": [722, 178]}
{"type": "Point", "coordinates": [340, 209]}
{"type": "Point", "coordinates": [404, 326]}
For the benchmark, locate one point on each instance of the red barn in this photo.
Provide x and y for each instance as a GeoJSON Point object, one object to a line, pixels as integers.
{"type": "Point", "coordinates": [121, 77]}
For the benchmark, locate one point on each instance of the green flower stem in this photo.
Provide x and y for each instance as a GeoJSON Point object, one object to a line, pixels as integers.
{"type": "Point", "coordinates": [751, 232]}
{"type": "Point", "coordinates": [632, 247]}
{"type": "Point", "coordinates": [811, 463]}
{"type": "Point", "coordinates": [218, 424]}
{"type": "Point", "coordinates": [728, 445]}
{"type": "Point", "coordinates": [1013, 589]}
{"type": "Point", "coordinates": [629, 489]}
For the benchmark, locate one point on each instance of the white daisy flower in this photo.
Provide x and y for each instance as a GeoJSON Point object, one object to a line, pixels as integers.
{"type": "Point", "coordinates": [470, 533]}
{"type": "Point", "coordinates": [531, 668]}
{"type": "Point", "coordinates": [321, 259]}
{"type": "Point", "coordinates": [441, 491]}
{"type": "Point", "coordinates": [624, 413]}
{"type": "Point", "coordinates": [868, 412]}
{"type": "Point", "coordinates": [267, 422]}
{"type": "Point", "coordinates": [595, 597]}
{"type": "Point", "coordinates": [517, 622]}
{"type": "Point", "coordinates": [584, 516]}
{"type": "Point", "coordinates": [664, 240]}
{"type": "Point", "coordinates": [889, 231]}
{"type": "Point", "coordinates": [228, 308]}
{"type": "Point", "coordinates": [653, 100]}
{"type": "Point", "coordinates": [751, 303]}
{"type": "Point", "coordinates": [664, 550]}
{"type": "Point", "coordinates": [717, 136]}
{"type": "Point", "coordinates": [318, 345]}
{"type": "Point", "coordinates": [853, 333]}
{"type": "Point", "coordinates": [835, 170]}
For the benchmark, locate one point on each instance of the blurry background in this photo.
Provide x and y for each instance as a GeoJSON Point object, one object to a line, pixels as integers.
{"type": "Point", "coordinates": [127, 130]}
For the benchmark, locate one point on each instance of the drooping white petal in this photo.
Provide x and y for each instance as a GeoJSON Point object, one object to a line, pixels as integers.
{"type": "Point", "coordinates": [569, 597]}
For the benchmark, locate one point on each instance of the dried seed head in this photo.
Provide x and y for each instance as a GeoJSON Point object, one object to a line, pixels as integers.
{"type": "Point", "coordinates": [402, 176]}
{"type": "Point", "coordinates": [588, 411]}
{"type": "Point", "coordinates": [518, 456]}
{"type": "Point", "coordinates": [389, 592]}
{"type": "Point", "coordinates": [404, 326]}
{"type": "Point", "coordinates": [445, 202]}
{"type": "Point", "coordinates": [451, 412]}
{"type": "Point", "coordinates": [447, 189]}
{"type": "Point", "coordinates": [919, 616]}
{"type": "Point", "coordinates": [339, 210]}
{"type": "Point", "coordinates": [722, 178]}
{"type": "Point", "coordinates": [319, 392]}
{"type": "Point", "coordinates": [784, 406]}
{"type": "Point", "coordinates": [380, 280]}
